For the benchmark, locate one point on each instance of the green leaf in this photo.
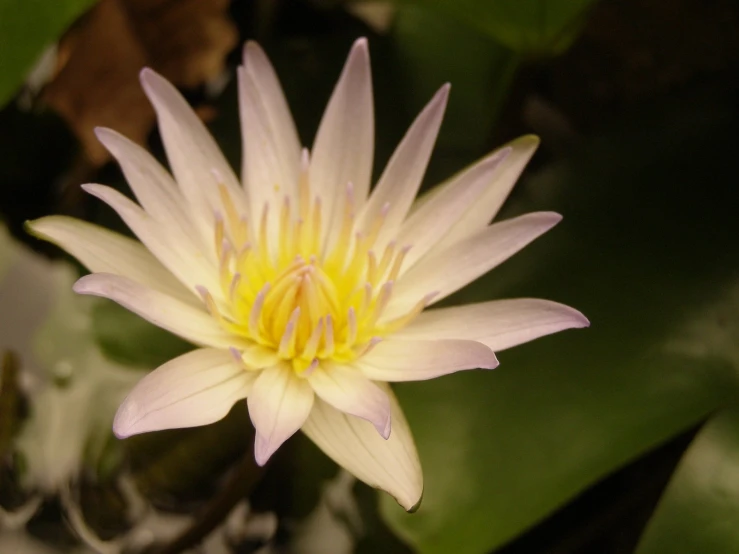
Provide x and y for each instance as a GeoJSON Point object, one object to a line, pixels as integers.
{"type": "Point", "coordinates": [647, 250]}
{"type": "Point", "coordinates": [421, 39]}
{"type": "Point", "coordinates": [700, 508]}
{"type": "Point", "coordinates": [129, 339]}
{"type": "Point", "coordinates": [536, 28]}
{"type": "Point", "coordinates": [27, 27]}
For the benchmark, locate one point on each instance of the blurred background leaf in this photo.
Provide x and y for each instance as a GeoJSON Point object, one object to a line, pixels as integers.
{"type": "Point", "coordinates": [130, 340]}
{"type": "Point", "coordinates": [700, 508]}
{"type": "Point", "coordinates": [27, 27]}
{"type": "Point", "coordinates": [532, 28]}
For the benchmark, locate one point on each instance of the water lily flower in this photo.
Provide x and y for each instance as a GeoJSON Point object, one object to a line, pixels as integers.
{"type": "Point", "coordinates": [305, 292]}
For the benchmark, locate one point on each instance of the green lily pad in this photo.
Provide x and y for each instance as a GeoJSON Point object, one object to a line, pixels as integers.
{"type": "Point", "coordinates": [530, 27]}
{"type": "Point", "coordinates": [700, 508]}
{"type": "Point", "coordinates": [27, 27]}
{"type": "Point", "coordinates": [129, 339]}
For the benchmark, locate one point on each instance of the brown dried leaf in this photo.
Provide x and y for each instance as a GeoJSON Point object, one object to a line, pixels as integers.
{"type": "Point", "coordinates": [97, 82]}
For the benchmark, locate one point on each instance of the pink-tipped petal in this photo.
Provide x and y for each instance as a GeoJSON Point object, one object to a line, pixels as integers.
{"type": "Point", "coordinates": [279, 404]}
{"type": "Point", "coordinates": [427, 226]}
{"type": "Point", "coordinates": [271, 148]}
{"type": "Point", "coordinates": [196, 161]}
{"type": "Point", "coordinates": [161, 241]}
{"type": "Point", "coordinates": [195, 389]}
{"type": "Point", "coordinates": [448, 270]}
{"type": "Point", "coordinates": [402, 177]}
{"type": "Point", "coordinates": [395, 360]}
{"type": "Point", "coordinates": [346, 389]}
{"type": "Point", "coordinates": [391, 465]}
{"type": "Point", "coordinates": [104, 251]}
{"type": "Point", "coordinates": [482, 213]}
{"type": "Point", "coordinates": [344, 146]}
{"type": "Point", "coordinates": [189, 322]}
{"type": "Point", "coordinates": [154, 188]}
{"type": "Point", "coordinates": [499, 324]}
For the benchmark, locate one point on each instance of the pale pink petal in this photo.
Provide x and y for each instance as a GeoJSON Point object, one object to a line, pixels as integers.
{"type": "Point", "coordinates": [396, 360]}
{"type": "Point", "coordinates": [279, 404]}
{"type": "Point", "coordinates": [189, 322]}
{"type": "Point", "coordinates": [482, 213]}
{"type": "Point", "coordinates": [155, 189]}
{"type": "Point", "coordinates": [428, 225]}
{"type": "Point", "coordinates": [194, 157]}
{"type": "Point", "coordinates": [446, 271]}
{"type": "Point", "coordinates": [344, 146]}
{"type": "Point", "coordinates": [104, 251]}
{"type": "Point", "coordinates": [271, 148]}
{"type": "Point", "coordinates": [398, 185]}
{"type": "Point", "coordinates": [194, 389]}
{"type": "Point", "coordinates": [391, 465]}
{"type": "Point", "coordinates": [499, 324]}
{"type": "Point", "coordinates": [348, 390]}
{"type": "Point", "coordinates": [161, 241]}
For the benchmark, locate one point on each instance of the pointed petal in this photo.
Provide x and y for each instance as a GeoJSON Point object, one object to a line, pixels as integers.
{"type": "Point", "coordinates": [103, 251]}
{"type": "Point", "coordinates": [271, 148]}
{"type": "Point", "coordinates": [499, 324]}
{"type": "Point", "coordinates": [194, 157]}
{"type": "Point", "coordinates": [391, 465]}
{"type": "Point", "coordinates": [402, 177]}
{"type": "Point", "coordinates": [348, 390]}
{"type": "Point", "coordinates": [154, 188]}
{"type": "Point", "coordinates": [174, 254]}
{"type": "Point", "coordinates": [194, 389]}
{"type": "Point", "coordinates": [448, 270]}
{"type": "Point", "coordinates": [428, 225]}
{"type": "Point", "coordinates": [344, 146]}
{"type": "Point", "coordinates": [279, 404]}
{"type": "Point", "coordinates": [396, 360]}
{"type": "Point", "coordinates": [482, 213]}
{"type": "Point", "coordinates": [190, 323]}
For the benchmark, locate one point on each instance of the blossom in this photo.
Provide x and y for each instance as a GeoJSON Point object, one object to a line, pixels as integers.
{"type": "Point", "coordinates": [304, 291]}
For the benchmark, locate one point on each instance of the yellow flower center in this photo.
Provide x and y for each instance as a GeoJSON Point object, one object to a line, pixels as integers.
{"type": "Point", "coordinates": [289, 293]}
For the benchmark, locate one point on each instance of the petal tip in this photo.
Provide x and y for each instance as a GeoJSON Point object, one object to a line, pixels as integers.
{"type": "Point", "coordinates": [147, 75]}
{"type": "Point", "coordinates": [263, 450]}
{"type": "Point", "coordinates": [384, 428]}
{"type": "Point", "coordinates": [414, 508]}
{"type": "Point", "coordinates": [528, 141]}
{"type": "Point", "coordinates": [33, 227]}
{"type": "Point", "coordinates": [492, 362]}
{"type": "Point", "coordinates": [251, 49]}
{"type": "Point", "coordinates": [580, 320]}
{"type": "Point", "coordinates": [124, 423]}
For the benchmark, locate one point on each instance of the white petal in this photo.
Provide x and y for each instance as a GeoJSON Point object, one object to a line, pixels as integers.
{"type": "Point", "coordinates": [482, 213]}
{"type": "Point", "coordinates": [279, 404]}
{"type": "Point", "coordinates": [402, 177]}
{"type": "Point", "coordinates": [154, 188]}
{"type": "Point", "coordinates": [344, 146]}
{"type": "Point", "coordinates": [103, 251]}
{"type": "Point", "coordinates": [348, 390]}
{"type": "Point", "coordinates": [448, 270]}
{"type": "Point", "coordinates": [429, 224]}
{"type": "Point", "coordinates": [190, 323]}
{"type": "Point", "coordinates": [175, 254]}
{"type": "Point", "coordinates": [196, 161]}
{"type": "Point", "coordinates": [271, 149]}
{"type": "Point", "coordinates": [396, 360]}
{"type": "Point", "coordinates": [391, 465]}
{"type": "Point", "coordinates": [194, 389]}
{"type": "Point", "coordinates": [499, 324]}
